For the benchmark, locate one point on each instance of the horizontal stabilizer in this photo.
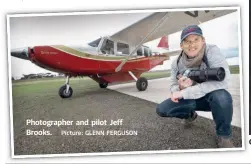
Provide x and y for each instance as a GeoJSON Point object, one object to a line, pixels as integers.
{"type": "Point", "coordinates": [172, 53]}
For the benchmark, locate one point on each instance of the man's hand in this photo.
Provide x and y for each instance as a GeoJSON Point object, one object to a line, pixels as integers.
{"type": "Point", "coordinates": [184, 82]}
{"type": "Point", "coordinates": [176, 96]}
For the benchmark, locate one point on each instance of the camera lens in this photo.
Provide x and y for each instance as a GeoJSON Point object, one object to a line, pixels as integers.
{"type": "Point", "coordinates": [217, 74]}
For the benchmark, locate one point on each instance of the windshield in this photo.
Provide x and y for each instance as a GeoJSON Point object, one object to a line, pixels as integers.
{"type": "Point", "coordinates": [94, 43]}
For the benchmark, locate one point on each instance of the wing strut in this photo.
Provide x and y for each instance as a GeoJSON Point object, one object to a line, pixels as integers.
{"type": "Point", "coordinates": [141, 42]}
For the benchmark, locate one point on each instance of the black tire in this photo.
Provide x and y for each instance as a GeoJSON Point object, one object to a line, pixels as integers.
{"type": "Point", "coordinates": [103, 85]}
{"type": "Point", "coordinates": [142, 84]}
{"type": "Point", "coordinates": [62, 92]}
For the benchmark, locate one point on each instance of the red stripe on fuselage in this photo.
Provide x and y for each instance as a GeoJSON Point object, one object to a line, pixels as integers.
{"type": "Point", "coordinates": [59, 61]}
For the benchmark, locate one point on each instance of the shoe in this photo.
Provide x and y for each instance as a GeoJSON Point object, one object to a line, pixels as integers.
{"type": "Point", "coordinates": [188, 122]}
{"type": "Point", "coordinates": [224, 142]}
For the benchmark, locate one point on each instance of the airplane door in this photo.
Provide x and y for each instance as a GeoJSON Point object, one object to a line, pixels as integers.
{"type": "Point", "coordinates": [122, 49]}
{"type": "Point", "coordinates": [106, 63]}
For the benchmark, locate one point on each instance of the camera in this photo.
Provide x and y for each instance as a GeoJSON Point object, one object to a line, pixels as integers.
{"type": "Point", "coordinates": [210, 74]}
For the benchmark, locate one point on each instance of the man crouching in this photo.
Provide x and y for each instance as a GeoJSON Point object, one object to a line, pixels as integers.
{"type": "Point", "coordinates": [187, 96]}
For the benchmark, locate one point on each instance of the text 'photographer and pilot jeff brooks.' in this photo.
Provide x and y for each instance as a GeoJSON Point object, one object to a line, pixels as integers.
{"type": "Point", "coordinates": [202, 90]}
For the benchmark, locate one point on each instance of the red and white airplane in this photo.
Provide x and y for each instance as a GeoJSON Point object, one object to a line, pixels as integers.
{"type": "Point", "coordinates": [120, 57]}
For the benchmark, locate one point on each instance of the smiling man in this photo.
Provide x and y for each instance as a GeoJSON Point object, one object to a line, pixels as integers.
{"type": "Point", "coordinates": [187, 96]}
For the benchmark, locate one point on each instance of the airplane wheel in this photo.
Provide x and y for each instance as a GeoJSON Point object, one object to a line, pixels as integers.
{"type": "Point", "coordinates": [62, 92]}
{"type": "Point", "coordinates": [142, 84]}
{"type": "Point", "coordinates": [103, 85]}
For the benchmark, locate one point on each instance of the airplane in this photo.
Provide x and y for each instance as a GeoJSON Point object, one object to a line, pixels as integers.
{"type": "Point", "coordinates": [119, 57]}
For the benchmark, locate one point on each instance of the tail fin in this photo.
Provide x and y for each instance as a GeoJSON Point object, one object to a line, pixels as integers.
{"type": "Point", "coordinates": [163, 43]}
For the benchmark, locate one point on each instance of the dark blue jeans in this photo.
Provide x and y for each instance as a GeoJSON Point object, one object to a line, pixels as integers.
{"type": "Point", "coordinates": [219, 102]}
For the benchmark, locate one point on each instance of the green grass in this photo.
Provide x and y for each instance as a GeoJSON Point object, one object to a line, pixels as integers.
{"type": "Point", "coordinates": [156, 75]}
{"type": "Point", "coordinates": [234, 69]}
{"type": "Point", "coordinates": [51, 85]}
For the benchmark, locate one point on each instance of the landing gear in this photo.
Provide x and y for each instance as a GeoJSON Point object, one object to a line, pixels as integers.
{"type": "Point", "coordinates": [141, 83]}
{"type": "Point", "coordinates": [103, 85]}
{"type": "Point", "coordinates": [65, 91]}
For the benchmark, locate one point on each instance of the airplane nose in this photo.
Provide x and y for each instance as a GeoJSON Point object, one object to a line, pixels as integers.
{"type": "Point", "coordinates": [20, 53]}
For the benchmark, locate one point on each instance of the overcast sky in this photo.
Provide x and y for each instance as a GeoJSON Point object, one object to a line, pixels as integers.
{"type": "Point", "coordinates": [76, 30]}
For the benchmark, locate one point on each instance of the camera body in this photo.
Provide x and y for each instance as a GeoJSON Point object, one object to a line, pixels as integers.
{"type": "Point", "coordinates": [209, 74]}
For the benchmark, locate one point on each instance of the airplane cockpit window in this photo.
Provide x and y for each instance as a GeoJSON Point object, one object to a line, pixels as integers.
{"type": "Point", "coordinates": [122, 49]}
{"type": "Point", "coordinates": [107, 47]}
{"type": "Point", "coordinates": [95, 43]}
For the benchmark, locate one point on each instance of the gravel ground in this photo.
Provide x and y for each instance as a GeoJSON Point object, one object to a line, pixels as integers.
{"type": "Point", "coordinates": [153, 132]}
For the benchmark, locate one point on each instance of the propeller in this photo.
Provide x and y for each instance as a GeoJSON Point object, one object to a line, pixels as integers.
{"type": "Point", "coordinates": [20, 53]}
{"type": "Point", "coordinates": [141, 42]}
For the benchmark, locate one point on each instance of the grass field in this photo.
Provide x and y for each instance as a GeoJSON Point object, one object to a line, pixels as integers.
{"type": "Point", "coordinates": [50, 86]}
{"type": "Point", "coordinates": [53, 84]}
{"type": "Point", "coordinates": [235, 69]}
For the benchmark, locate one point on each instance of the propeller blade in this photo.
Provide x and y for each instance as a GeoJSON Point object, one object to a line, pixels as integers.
{"type": "Point", "coordinates": [21, 53]}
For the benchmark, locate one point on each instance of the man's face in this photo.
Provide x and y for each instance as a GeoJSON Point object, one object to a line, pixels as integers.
{"type": "Point", "coordinates": [192, 44]}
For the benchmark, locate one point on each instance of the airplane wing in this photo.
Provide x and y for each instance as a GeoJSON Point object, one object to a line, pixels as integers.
{"type": "Point", "coordinates": [174, 22]}
{"type": "Point", "coordinates": [161, 24]}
